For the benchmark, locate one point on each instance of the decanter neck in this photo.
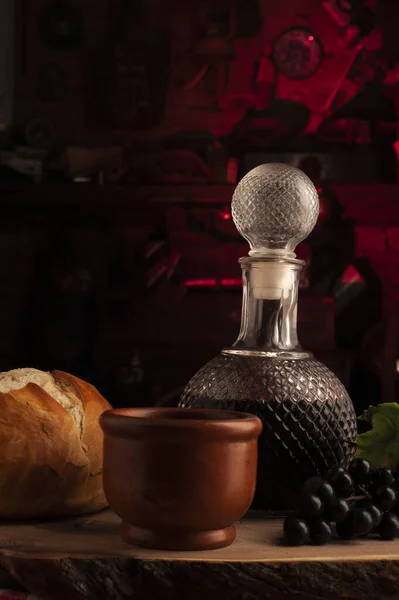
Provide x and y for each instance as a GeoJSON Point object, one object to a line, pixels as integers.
{"type": "Point", "coordinates": [269, 308]}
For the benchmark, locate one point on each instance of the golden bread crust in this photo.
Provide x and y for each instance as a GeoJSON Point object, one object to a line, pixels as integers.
{"type": "Point", "coordinates": [48, 467]}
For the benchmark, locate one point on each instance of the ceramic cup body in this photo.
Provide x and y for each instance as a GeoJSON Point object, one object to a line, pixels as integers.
{"type": "Point", "coordinates": [179, 478]}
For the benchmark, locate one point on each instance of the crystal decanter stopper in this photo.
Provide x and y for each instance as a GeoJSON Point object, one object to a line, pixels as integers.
{"type": "Point", "coordinates": [275, 207]}
{"type": "Point", "coordinates": [309, 423]}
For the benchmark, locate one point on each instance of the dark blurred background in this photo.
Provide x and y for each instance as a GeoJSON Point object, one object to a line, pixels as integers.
{"type": "Point", "coordinates": [125, 125]}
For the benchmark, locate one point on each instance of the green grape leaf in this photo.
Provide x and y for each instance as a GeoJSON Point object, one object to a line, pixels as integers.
{"type": "Point", "coordinates": [380, 445]}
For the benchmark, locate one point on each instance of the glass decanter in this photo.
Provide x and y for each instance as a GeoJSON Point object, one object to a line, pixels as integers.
{"type": "Point", "coordinates": [308, 418]}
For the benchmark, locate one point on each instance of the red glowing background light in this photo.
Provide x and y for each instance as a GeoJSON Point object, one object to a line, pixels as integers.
{"type": "Point", "coordinates": [225, 214]}
{"type": "Point", "coordinates": [311, 38]}
{"type": "Point", "coordinates": [231, 282]}
{"type": "Point", "coordinates": [351, 275]}
{"type": "Point", "coordinates": [201, 283]}
{"type": "Point", "coordinates": [204, 283]}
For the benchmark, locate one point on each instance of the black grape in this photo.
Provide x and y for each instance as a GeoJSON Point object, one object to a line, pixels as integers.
{"type": "Point", "coordinates": [384, 497]}
{"type": "Point", "coordinates": [332, 473]}
{"type": "Point", "coordinates": [388, 529]}
{"type": "Point", "coordinates": [296, 531]}
{"type": "Point", "coordinates": [345, 529]}
{"type": "Point", "coordinates": [337, 511]}
{"type": "Point", "coordinates": [310, 506]}
{"type": "Point", "coordinates": [319, 487]}
{"type": "Point", "coordinates": [358, 522]}
{"type": "Point", "coordinates": [371, 508]}
{"type": "Point", "coordinates": [340, 481]}
{"type": "Point", "coordinates": [320, 532]}
{"type": "Point", "coordinates": [312, 485]}
{"type": "Point", "coordinates": [362, 521]}
{"type": "Point", "coordinates": [360, 470]}
{"type": "Point", "coordinates": [382, 476]}
{"type": "Point", "coordinates": [326, 493]}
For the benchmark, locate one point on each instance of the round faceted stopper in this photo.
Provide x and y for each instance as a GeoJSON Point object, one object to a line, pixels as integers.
{"type": "Point", "coordinates": [274, 207]}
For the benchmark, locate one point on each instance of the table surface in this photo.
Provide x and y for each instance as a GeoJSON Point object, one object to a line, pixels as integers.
{"type": "Point", "coordinates": [85, 559]}
{"type": "Point", "coordinates": [258, 540]}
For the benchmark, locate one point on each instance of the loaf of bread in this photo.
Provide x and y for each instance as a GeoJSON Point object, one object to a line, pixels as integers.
{"type": "Point", "coordinates": [50, 445]}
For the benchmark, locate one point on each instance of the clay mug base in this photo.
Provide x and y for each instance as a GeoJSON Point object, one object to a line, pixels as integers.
{"type": "Point", "coordinates": [173, 540]}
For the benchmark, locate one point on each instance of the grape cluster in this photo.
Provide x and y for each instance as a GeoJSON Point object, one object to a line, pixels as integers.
{"type": "Point", "coordinates": [358, 501]}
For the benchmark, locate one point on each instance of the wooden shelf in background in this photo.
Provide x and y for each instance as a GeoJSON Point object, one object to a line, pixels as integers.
{"type": "Point", "coordinates": [86, 192]}
{"type": "Point", "coordinates": [369, 205]}
{"type": "Point", "coordinates": [48, 201]}
{"type": "Point", "coordinates": [84, 558]}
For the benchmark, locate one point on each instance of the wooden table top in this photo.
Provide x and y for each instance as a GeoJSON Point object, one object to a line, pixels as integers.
{"type": "Point", "coordinates": [258, 540]}
{"type": "Point", "coordinates": [84, 559]}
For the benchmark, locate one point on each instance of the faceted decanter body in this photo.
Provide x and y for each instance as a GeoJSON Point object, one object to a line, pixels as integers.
{"type": "Point", "coordinates": [308, 418]}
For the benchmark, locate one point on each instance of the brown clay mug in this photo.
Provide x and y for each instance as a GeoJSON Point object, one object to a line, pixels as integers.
{"type": "Point", "coordinates": [179, 478]}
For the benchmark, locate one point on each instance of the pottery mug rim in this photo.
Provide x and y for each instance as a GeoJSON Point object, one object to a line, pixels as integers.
{"type": "Point", "coordinates": [128, 421]}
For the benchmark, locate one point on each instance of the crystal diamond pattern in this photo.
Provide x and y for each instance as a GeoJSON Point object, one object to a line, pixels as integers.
{"type": "Point", "coordinates": [275, 205]}
{"type": "Point", "coordinates": [308, 418]}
